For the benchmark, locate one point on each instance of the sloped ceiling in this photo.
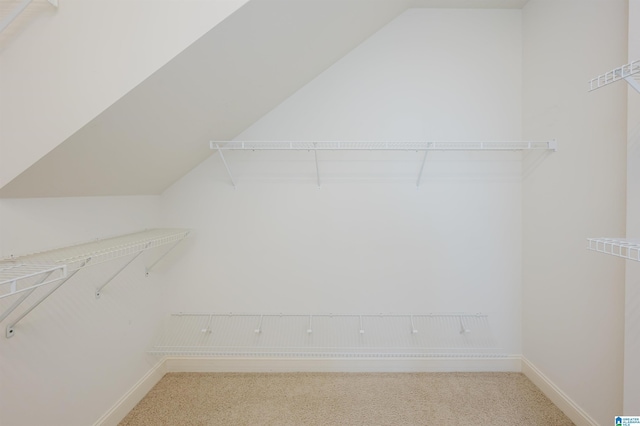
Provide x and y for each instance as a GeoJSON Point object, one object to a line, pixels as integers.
{"type": "Point", "coordinates": [213, 90]}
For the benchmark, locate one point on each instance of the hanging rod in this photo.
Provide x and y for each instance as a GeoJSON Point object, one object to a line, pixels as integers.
{"type": "Point", "coordinates": [384, 146]}
{"type": "Point", "coordinates": [628, 72]}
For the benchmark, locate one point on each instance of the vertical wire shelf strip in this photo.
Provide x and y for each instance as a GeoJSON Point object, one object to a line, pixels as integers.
{"type": "Point", "coordinates": [223, 334]}
{"type": "Point", "coordinates": [617, 74]}
{"type": "Point", "coordinates": [384, 146]}
{"type": "Point", "coordinates": [619, 247]}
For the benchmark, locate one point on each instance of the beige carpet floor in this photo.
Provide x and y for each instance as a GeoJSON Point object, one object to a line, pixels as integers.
{"type": "Point", "coordinates": [182, 399]}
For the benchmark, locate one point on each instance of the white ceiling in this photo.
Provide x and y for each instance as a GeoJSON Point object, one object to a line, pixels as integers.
{"type": "Point", "coordinates": [213, 90]}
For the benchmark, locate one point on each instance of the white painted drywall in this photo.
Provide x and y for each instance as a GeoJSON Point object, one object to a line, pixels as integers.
{"type": "Point", "coordinates": [632, 300]}
{"type": "Point", "coordinates": [573, 299]}
{"type": "Point", "coordinates": [67, 67]}
{"type": "Point", "coordinates": [74, 356]}
{"type": "Point", "coordinates": [368, 240]}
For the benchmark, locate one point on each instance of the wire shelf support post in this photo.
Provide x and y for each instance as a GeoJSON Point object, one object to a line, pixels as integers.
{"type": "Point", "coordinates": [99, 289]}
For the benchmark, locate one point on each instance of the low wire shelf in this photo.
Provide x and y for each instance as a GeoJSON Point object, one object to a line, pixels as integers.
{"type": "Point", "coordinates": [327, 335]}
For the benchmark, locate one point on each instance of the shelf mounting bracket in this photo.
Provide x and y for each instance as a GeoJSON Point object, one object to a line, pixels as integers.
{"type": "Point", "coordinates": [24, 295]}
{"type": "Point", "coordinates": [11, 327]}
{"type": "Point", "coordinates": [150, 267]}
{"type": "Point", "coordinates": [226, 166]}
{"type": "Point", "coordinates": [633, 83]}
{"type": "Point", "coordinates": [424, 160]}
{"type": "Point", "coordinates": [99, 289]}
{"type": "Point", "coordinates": [315, 153]}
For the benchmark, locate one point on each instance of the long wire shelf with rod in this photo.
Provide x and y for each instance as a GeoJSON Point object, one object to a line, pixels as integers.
{"type": "Point", "coordinates": [21, 276]}
{"type": "Point", "coordinates": [418, 146]}
{"type": "Point", "coordinates": [327, 335]}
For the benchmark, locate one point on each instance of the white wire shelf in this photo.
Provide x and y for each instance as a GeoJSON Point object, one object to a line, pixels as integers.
{"type": "Point", "coordinates": [384, 146]}
{"type": "Point", "coordinates": [327, 336]}
{"type": "Point", "coordinates": [629, 72]}
{"type": "Point", "coordinates": [102, 250]}
{"type": "Point", "coordinates": [419, 146]}
{"type": "Point", "coordinates": [619, 247]}
{"type": "Point", "coordinates": [24, 274]}
{"type": "Point", "coordinates": [20, 277]}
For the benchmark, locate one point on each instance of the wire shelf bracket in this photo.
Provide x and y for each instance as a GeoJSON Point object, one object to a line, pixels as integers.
{"type": "Point", "coordinates": [25, 274]}
{"type": "Point", "coordinates": [629, 72]}
{"type": "Point", "coordinates": [327, 335]}
{"type": "Point", "coordinates": [418, 146]}
{"type": "Point", "coordinates": [619, 247]}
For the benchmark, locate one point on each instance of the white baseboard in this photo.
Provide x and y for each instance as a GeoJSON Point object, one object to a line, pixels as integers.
{"type": "Point", "coordinates": [342, 365]}
{"type": "Point", "coordinates": [513, 363]}
{"type": "Point", "coordinates": [559, 398]}
{"type": "Point", "coordinates": [129, 400]}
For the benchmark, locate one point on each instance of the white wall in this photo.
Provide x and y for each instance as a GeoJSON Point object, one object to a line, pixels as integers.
{"type": "Point", "coordinates": [368, 241]}
{"type": "Point", "coordinates": [65, 68]}
{"type": "Point", "coordinates": [573, 299]}
{"type": "Point", "coordinates": [632, 299]}
{"type": "Point", "coordinates": [74, 356]}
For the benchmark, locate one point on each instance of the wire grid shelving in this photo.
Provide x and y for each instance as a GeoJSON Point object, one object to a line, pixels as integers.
{"type": "Point", "coordinates": [327, 336]}
{"type": "Point", "coordinates": [24, 274]}
{"type": "Point", "coordinates": [629, 72]}
{"type": "Point", "coordinates": [19, 277]}
{"type": "Point", "coordinates": [418, 146]}
{"type": "Point", "coordinates": [619, 247]}
{"type": "Point", "coordinates": [383, 146]}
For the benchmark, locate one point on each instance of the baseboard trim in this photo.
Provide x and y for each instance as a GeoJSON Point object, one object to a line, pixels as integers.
{"type": "Point", "coordinates": [342, 365]}
{"type": "Point", "coordinates": [130, 399]}
{"type": "Point", "coordinates": [572, 410]}
{"type": "Point", "coordinates": [514, 363]}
